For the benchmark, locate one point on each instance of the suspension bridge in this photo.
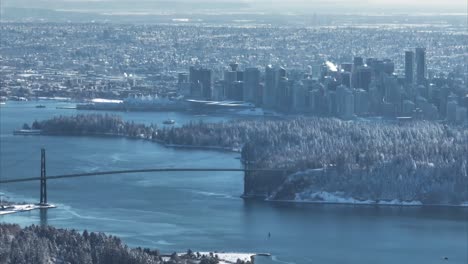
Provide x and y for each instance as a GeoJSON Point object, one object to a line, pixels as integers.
{"type": "Point", "coordinates": [43, 178]}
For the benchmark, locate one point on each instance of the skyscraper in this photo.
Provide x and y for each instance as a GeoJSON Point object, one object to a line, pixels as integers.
{"type": "Point", "coordinates": [280, 87]}
{"type": "Point", "coordinates": [230, 77]}
{"type": "Point", "coordinates": [363, 78]}
{"type": "Point", "coordinates": [269, 95]}
{"type": "Point", "coordinates": [409, 67]}
{"type": "Point", "coordinates": [358, 61]}
{"type": "Point", "coordinates": [251, 84]}
{"type": "Point", "coordinates": [421, 65]}
{"type": "Point", "coordinates": [346, 79]}
{"type": "Point", "coordinates": [200, 79]}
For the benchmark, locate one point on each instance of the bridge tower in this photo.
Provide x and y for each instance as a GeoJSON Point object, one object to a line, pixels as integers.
{"type": "Point", "coordinates": [43, 199]}
{"type": "Point", "coordinates": [247, 173]}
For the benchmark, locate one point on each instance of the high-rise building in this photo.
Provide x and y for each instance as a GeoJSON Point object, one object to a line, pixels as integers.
{"type": "Point", "coordinates": [358, 62]}
{"type": "Point", "coordinates": [316, 71]}
{"type": "Point", "coordinates": [230, 77]}
{"type": "Point", "coordinates": [299, 97]}
{"type": "Point", "coordinates": [218, 90]}
{"type": "Point", "coordinates": [283, 94]}
{"type": "Point", "coordinates": [361, 102]}
{"type": "Point", "coordinates": [346, 79]}
{"type": "Point", "coordinates": [363, 78]}
{"type": "Point", "coordinates": [347, 67]}
{"type": "Point", "coordinates": [344, 102]}
{"type": "Point", "coordinates": [348, 109]}
{"type": "Point", "coordinates": [183, 84]}
{"type": "Point", "coordinates": [251, 84]}
{"type": "Point", "coordinates": [393, 90]}
{"type": "Point", "coordinates": [200, 79]}
{"type": "Point", "coordinates": [388, 66]}
{"type": "Point", "coordinates": [269, 90]}
{"type": "Point", "coordinates": [409, 67]}
{"type": "Point", "coordinates": [237, 91]}
{"type": "Point", "coordinates": [182, 77]}
{"type": "Point", "coordinates": [281, 87]}
{"type": "Point", "coordinates": [420, 65]}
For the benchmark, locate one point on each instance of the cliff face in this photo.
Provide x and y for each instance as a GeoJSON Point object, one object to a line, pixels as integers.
{"type": "Point", "coordinates": [262, 184]}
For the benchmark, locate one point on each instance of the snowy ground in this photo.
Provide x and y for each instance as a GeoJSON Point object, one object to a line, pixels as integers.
{"type": "Point", "coordinates": [226, 258]}
{"type": "Point", "coordinates": [326, 197]}
{"type": "Point", "coordinates": [16, 208]}
{"type": "Point", "coordinates": [339, 198]}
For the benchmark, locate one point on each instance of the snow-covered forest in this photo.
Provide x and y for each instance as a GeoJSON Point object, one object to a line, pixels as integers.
{"type": "Point", "coordinates": [423, 161]}
{"type": "Point", "coordinates": [45, 244]}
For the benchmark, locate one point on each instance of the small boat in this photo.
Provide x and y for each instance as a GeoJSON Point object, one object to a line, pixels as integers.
{"type": "Point", "coordinates": [169, 122]}
{"type": "Point", "coordinates": [40, 106]}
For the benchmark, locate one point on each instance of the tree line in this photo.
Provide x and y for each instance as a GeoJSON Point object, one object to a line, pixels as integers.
{"type": "Point", "coordinates": [46, 244]}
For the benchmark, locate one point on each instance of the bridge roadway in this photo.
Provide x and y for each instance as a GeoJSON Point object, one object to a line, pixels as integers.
{"type": "Point", "coordinates": [90, 174]}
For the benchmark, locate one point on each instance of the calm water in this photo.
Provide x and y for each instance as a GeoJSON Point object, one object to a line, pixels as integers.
{"type": "Point", "coordinates": [202, 211]}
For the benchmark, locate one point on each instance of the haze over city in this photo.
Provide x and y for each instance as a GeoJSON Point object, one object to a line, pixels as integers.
{"type": "Point", "coordinates": [277, 6]}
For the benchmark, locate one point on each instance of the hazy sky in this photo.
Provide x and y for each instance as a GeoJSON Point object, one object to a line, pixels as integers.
{"type": "Point", "coordinates": [329, 6]}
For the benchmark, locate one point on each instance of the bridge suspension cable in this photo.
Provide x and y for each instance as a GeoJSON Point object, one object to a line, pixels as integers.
{"type": "Point", "coordinates": [101, 173]}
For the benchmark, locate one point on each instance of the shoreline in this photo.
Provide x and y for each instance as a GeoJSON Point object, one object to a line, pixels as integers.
{"type": "Point", "coordinates": [464, 205]}
{"type": "Point", "coordinates": [262, 198]}
{"type": "Point", "coordinates": [111, 135]}
{"type": "Point", "coordinates": [18, 208]}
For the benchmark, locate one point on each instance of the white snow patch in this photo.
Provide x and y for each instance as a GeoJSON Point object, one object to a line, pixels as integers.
{"type": "Point", "coordinates": [338, 197]}
{"type": "Point", "coordinates": [398, 202]}
{"type": "Point", "coordinates": [224, 258]}
{"type": "Point", "coordinates": [227, 258]}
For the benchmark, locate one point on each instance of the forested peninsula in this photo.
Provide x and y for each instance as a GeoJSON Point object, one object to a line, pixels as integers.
{"type": "Point", "coordinates": [328, 160]}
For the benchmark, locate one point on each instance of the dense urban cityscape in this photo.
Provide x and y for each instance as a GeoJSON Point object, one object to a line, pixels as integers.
{"type": "Point", "coordinates": [398, 73]}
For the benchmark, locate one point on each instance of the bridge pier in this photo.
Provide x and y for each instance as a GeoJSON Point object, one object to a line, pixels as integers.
{"type": "Point", "coordinates": [43, 186]}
